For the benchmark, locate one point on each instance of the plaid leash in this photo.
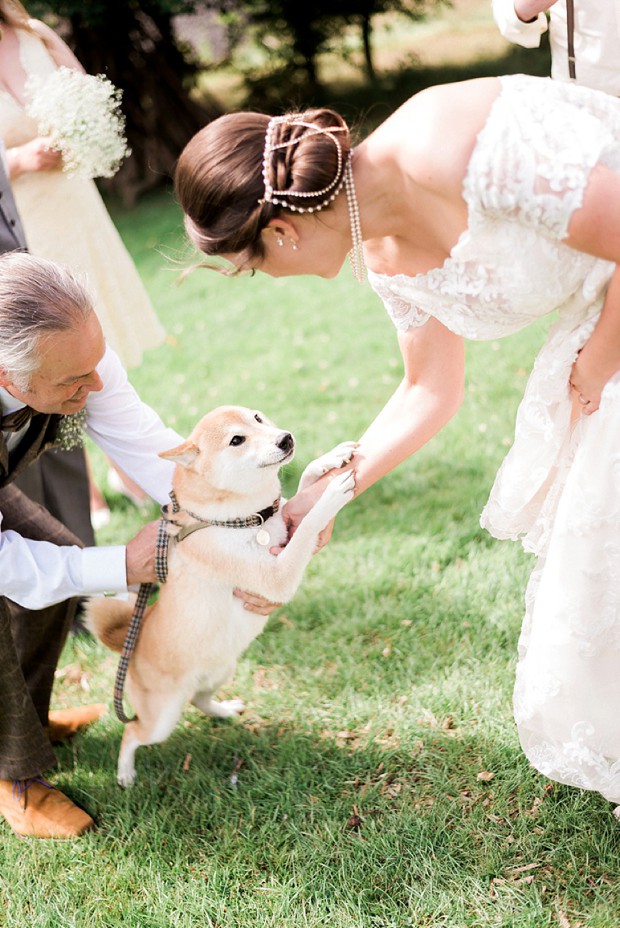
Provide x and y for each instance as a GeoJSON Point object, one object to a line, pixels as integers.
{"type": "Point", "coordinates": [257, 519]}
{"type": "Point", "coordinates": [144, 593]}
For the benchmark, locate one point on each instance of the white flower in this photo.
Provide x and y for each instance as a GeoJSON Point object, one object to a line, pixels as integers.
{"type": "Point", "coordinates": [70, 431]}
{"type": "Point", "coordinates": [81, 115]}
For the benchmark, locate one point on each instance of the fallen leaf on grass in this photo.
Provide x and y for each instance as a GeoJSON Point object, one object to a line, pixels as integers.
{"type": "Point", "coordinates": [354, 822]}
{"type": "Point", "coordinates": [187, 762]}
{"type": "Point", "coordinates": [565, 922]}
{"type": "Point", "coordinates": [524, 868]}
{"type": "Point", "coordinates": [485, 776]}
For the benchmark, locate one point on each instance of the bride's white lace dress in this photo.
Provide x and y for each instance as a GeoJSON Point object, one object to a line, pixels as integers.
{"type": "Point", "coordinates": [558, 489]}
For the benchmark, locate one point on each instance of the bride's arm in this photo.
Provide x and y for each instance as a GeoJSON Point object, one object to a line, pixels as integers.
{"type": "Point", "coordinates": [595, 229]}
{"type": "Point", "coordinates": [428, 396]}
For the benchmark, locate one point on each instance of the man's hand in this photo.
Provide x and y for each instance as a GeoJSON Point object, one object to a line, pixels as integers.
{"type": "Point", "coordinates": [527, 10]}
{"type": "Point", "coordinates": [140, 555]}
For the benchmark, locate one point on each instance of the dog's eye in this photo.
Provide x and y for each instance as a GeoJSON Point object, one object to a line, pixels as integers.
{"type": "Point", "coordinates": [258, 418]}
{"type": "Point", "coordinates": [237, 439]}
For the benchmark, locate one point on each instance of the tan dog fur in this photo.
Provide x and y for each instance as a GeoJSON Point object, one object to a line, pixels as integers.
{"type": "Point", "coordinates": [194, 634]}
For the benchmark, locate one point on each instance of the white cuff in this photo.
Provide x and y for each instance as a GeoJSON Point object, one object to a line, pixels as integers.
{"type": "Point", "coordinates": [514, 29]}
{"type": "Point", "coordinates": [104, 570]}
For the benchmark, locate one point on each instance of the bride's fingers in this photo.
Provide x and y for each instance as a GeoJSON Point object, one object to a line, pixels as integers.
{"type": "Point", "coordinates": [255, 603]}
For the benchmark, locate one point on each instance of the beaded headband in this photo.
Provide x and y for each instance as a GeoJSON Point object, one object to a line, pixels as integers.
{"type": "Point", "coordinates": [333, 189]}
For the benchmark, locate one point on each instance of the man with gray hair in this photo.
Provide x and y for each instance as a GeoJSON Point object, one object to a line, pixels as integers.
{"type": "Point", "coordinates": [55, 373]}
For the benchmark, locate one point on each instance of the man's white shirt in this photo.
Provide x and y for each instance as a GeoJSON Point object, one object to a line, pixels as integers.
{"type": "Point", "coordinates": [38, 573]}
{"type": "Point", "coordinates": [596, 38]}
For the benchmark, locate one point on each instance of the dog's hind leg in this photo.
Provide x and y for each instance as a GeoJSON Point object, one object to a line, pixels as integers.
{"type": "Point", "coordinates": [226, 709]}
{"type": "Point", "coordinates": [156, 722]}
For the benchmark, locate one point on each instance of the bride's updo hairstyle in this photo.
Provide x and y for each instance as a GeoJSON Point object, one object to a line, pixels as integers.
{"type": "Point", "coordinates": [244, 169]}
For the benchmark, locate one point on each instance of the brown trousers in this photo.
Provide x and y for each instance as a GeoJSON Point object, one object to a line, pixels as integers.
{"type": "Point", "coordinates": [31, 642]}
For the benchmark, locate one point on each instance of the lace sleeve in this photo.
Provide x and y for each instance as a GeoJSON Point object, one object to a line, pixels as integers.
{"type": "Point", "coordinates": [403, 313]}
{"type": "Point", "coordinates": [534, 156]}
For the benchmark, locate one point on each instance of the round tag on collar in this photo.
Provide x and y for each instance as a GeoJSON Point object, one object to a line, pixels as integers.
{"type": "Point", "coordinates": [262, 537]}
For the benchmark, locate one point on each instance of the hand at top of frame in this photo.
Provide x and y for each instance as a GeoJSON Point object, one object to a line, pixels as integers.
{"type": "Point", "coordinates": [527, 10]}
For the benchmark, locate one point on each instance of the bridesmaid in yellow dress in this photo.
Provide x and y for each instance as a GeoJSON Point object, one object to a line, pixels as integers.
{"type": "Point", "coordinates": [64, 217]}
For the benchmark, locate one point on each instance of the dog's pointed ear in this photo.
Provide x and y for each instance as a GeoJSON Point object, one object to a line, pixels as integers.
{"type": "Point", "coordinates": [184, 454]}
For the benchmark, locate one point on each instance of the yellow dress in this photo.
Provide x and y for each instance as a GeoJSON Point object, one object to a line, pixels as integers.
{"type": "Point", "coordinates": [65, 220]}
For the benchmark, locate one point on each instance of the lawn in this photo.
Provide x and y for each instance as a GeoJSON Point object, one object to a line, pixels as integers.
{"type": "Point", "coordinates": [376, 779]}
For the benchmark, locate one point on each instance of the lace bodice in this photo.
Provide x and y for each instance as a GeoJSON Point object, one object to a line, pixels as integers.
{"type": "Point", "coordinates": [525, 178]}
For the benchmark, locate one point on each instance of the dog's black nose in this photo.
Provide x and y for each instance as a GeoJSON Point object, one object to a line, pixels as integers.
{"type": "Point", "coordinates": [287, 442]}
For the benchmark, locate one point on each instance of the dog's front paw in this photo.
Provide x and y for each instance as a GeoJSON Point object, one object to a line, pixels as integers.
{"type": "Point", "coordinates": [337, 457]}
{"type": "Point", "coordinates": [337, 494]}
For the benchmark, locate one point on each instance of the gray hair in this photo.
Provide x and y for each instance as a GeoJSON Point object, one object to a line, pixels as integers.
{"type": "Point", "coordinates": [37, 298]}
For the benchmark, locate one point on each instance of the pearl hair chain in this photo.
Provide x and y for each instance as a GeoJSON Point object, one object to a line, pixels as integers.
{"type": "Point", "coordinates": [356, 255]}
{"type": "Point", "coordinates": [342, 178]}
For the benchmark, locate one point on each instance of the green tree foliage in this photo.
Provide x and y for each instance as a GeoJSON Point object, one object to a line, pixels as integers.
{"type": "Point", "coordinates": [295, 34]}
{"type": "Point", "coordinates": [133, 43]}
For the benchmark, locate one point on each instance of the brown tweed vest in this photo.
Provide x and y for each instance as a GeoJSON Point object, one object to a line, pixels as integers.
{"type": "Point", "coordinates": [40, 435]}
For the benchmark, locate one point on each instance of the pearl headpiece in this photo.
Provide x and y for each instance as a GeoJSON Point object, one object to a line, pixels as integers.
{"type": "Point", "coordinates": [274, 196]}
{"type": "Point", "coordinates": [330, 192]}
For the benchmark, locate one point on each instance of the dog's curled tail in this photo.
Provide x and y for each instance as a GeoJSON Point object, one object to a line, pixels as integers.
{"type": "Point", "coordinates": [109, 619]}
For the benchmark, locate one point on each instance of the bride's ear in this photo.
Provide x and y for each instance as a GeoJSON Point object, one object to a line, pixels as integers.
{"type": "Point", "coordinates": [281, 228]}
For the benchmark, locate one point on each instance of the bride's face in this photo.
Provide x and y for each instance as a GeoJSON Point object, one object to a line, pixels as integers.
{"type": "Point", "coordinates": [305, 245]}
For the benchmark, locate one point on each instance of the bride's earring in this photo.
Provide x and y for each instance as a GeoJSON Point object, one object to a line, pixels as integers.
{"type": "Point", "coordinates": [295, 245]}
{"type": "Point", "coordinates": [279, 241]}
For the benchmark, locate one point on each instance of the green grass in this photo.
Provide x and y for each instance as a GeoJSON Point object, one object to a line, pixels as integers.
{"type": "Point", "coordinates": [350, 794]}
{"type": "Point", "coordinates": [376, 780]}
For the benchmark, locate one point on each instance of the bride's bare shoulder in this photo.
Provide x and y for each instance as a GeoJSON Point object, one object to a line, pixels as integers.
{"type": "Point", "coordinates": [435, 130]}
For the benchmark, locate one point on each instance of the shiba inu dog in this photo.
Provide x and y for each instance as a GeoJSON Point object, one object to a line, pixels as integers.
{"type": "Point", "coordinates": [227, 488]}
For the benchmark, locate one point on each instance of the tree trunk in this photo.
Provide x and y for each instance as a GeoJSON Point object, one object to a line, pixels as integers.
{"type": "Point", "coordinates": [367, 43]}
{"type": "Point", "coordinates": [136, 50]}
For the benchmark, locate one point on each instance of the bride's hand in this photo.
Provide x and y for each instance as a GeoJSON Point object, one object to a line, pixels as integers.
{"type": "Point", "coordinates": [36, 155]}
{"type": "Point", "coordinates": [299, 505]}
{"type": "Point", "coordinates": [587, 382]}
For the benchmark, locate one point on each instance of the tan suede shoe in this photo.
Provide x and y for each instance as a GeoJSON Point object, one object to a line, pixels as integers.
{"type": "Point", "coordinates": [35, 809]}
{"type": "Point", "coordinates": [65, 723]}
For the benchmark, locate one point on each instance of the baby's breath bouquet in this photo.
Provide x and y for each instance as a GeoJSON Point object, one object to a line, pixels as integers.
{"type": "Point", "coordinates": [81, 115]}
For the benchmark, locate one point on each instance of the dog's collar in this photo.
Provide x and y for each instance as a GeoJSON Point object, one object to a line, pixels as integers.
{"type": "Point", "coordinates": [255, 520]}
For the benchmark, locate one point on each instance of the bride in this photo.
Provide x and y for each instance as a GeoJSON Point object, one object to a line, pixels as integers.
{"type": "Point", "coordinates": [477, 208]}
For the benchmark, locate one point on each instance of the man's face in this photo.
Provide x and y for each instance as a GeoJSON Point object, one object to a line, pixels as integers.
{"type": "Point", "coordinates": [66, 374]}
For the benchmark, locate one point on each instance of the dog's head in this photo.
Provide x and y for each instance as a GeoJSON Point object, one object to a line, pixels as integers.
{"type": "Point", "coordinates": [233, 450]}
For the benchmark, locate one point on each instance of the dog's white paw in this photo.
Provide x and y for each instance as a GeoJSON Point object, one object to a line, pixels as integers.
{"type": "Point", "coordinates": [226, 709]}
{"type": "Point", "coordinates": [333, 459]}
{"type": "Point", "coordinates": [338, 456]}
{"type": "Point", "coordinates": [231, 707]}
{"type": "Point", "coordinates": [337, 494]}
{"type": "Point", "coordinates": [126, 775]}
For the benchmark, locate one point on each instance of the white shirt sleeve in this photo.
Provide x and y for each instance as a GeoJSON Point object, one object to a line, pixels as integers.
{"type": "Point", "coordinates": [38, 573]}
{"type": "Point", "coordinates": [514, 29]}
{"type": "Point", "coordinates": [129, 431]}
